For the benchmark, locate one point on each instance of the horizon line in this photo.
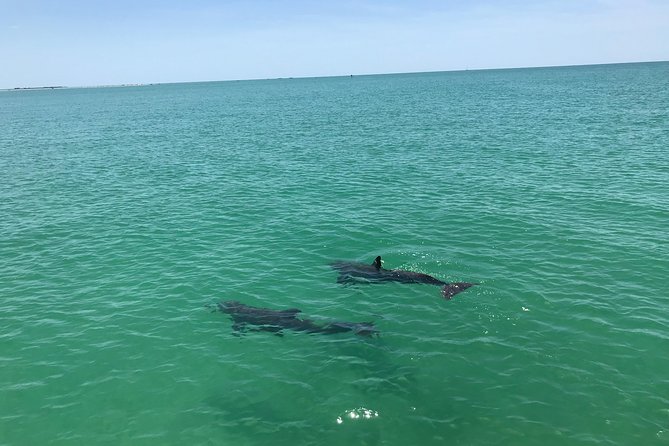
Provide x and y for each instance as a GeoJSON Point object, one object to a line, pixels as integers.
{"type": "Point", "coordinates": [121, 85]}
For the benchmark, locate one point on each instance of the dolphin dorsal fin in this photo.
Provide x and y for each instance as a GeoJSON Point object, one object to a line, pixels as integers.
{"type": "Point", "coordinates": [377, 262]}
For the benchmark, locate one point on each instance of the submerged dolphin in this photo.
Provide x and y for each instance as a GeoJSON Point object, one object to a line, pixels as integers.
{"type": "Point", "coordinates": [350, 271]}
{"type": "Point", "coordinates": [266, 319]}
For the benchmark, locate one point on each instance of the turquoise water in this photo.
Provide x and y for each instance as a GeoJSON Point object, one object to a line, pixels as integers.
{"type": "Point", "coordinates": [125, 211]}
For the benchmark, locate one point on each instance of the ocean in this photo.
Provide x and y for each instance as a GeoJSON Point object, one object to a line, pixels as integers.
{"type": "Point", "coordinates": [126, 213]}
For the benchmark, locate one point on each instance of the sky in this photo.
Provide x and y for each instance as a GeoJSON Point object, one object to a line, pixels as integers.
{"type": "Point", "coordinates": [95, 42]}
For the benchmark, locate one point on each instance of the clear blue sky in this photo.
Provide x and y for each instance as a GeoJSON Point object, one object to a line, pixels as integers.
{"type": "Point", "coordinates": [95, 42]}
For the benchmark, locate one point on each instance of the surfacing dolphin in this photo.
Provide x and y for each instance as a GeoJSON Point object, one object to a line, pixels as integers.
{"type": "Point", "coordinates": [275, 321]}
{"type": "Point", "coordinates": [356, 272]}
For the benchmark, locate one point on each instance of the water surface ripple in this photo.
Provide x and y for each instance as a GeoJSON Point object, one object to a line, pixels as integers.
{"type": "Point", "coordinates": [125, 211]}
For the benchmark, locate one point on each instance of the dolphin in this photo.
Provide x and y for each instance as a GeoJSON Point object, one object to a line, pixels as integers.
{"type": "Point", "coordinates": [275, 321]}
{"type": "Point", "coordinates": [374, 273]}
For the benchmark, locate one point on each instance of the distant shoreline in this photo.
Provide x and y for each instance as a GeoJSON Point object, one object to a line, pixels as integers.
{"type": "Point", "coordinates": [63, 87]}
{"type": "Point", "coordinates": [37, 88]}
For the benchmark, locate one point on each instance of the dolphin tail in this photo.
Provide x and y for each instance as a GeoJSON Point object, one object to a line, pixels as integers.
{"type": "Point", "coordinates": [451, 289]}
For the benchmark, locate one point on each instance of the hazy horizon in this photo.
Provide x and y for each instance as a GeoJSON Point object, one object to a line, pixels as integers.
{"type": "Point", "coordinates": [74, 43]}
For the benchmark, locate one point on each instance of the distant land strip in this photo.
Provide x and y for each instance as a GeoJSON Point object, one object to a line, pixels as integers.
{"type": "Point", "coordinates": [37, 88]}
{"type": "Point", "coordinates": [54, 87]}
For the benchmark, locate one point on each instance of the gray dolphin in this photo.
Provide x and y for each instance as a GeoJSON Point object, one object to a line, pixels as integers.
{"type": "Point", "coordinates": [275, 321]}
{"type": "Point", "coordinates": [356, 272]}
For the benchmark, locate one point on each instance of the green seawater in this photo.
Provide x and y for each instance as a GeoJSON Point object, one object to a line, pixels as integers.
{"type": "Point", "coordinates": [125, 211]}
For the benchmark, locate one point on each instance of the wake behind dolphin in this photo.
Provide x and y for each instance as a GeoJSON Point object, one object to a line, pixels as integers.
{"type": "Point", "coordinates": [374, 273]}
